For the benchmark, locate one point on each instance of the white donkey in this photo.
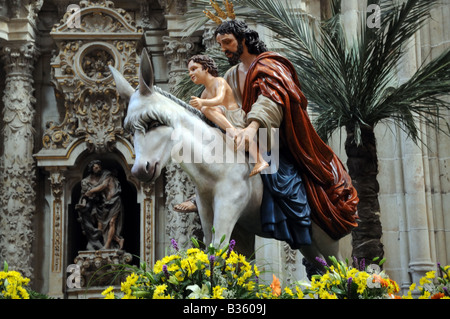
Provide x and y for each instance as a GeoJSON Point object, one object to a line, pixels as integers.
{"type": "Point", "coordinates": [226, 195]}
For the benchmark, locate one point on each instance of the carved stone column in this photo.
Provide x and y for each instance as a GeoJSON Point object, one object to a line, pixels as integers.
{"type": "Point", "coordinates": [18, 168]}
{"type": "Point", "coordinates": [178, 186]}
{"type": "Point", "coordinates": [177, 51]}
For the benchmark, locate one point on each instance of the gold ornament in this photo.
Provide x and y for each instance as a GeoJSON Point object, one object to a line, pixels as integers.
{"type": "Point", "coordinates": [221, 15]}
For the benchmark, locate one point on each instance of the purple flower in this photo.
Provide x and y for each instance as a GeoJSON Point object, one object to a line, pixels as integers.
{"type": "Point", "coordinates": [231, 246]}
{"type": "Point", "coordinates": [362, 264]}
{"type": "Point", "coordinates": [349, 287]}
{"type": "Point", "coordinates": [174, 244]}
{"type": "Point", "coordinates": [212, 258]}
{"type": "Point", "coordinates": [165, 271]}
{"type": "Point", "coordinates": [321, 261]}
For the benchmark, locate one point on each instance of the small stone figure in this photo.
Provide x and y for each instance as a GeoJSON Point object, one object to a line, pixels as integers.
{"type": "Point", "coordinates": [100, 208]}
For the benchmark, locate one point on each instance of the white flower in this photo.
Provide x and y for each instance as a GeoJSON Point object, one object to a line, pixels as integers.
{"type": "Point", "coordinates": [198, 293]}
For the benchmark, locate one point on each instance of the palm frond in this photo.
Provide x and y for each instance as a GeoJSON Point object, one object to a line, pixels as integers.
{"type": "Point", "coordinates": [422, 98]}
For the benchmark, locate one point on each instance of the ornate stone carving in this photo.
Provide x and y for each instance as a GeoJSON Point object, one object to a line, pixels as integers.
{"type": "Point", "coordinates": [17, 166]}
{"type": "Point", "coordinates": [99, 268]}
{"type": "Point", "coordinates": [177, 52]}
{"type": "Point", "coordinates": [94, 110]}
{"type": "Point", "coordinates": [290, 261]}
{"type": "Point", "coordinates": [180, 226]}
{"type": "Point", "coordinates": [178, 7]}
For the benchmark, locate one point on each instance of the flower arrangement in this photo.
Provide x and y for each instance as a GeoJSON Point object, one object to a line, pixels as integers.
{"type": "Point", "coordinates": [194, 273]}
{"type": "Point", "coordinates": [217, 273]}
{"type": "Point", "coordinates": [432, 287]}
{"type": "Point", "coordinates": [342, 281]}
{"type": "Point", "coordinates": [222, 273]}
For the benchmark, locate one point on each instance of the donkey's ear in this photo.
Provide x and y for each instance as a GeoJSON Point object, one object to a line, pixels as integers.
{"type": "Point", "coordinates": [122, 85]}
{"type": "Point", "coordinates": [145, 74]}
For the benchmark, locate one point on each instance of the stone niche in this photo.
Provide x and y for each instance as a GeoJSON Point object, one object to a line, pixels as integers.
{"type": "Point", "coordinates": [93, 36]}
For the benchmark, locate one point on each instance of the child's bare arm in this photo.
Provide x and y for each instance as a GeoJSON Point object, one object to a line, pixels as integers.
{"type": "Point", "coordinates": [218, 99]}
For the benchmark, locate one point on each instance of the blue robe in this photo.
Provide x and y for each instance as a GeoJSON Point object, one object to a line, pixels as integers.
{"type": "Point", "coordinates": [285, 212]}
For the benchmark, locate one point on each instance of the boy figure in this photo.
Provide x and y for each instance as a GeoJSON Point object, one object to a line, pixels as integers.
{"type": "Point", "coordinates": [218, 104]}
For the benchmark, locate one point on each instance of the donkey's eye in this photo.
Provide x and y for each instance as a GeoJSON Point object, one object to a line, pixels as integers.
{"type": "Point", "coordinates": [152, 125]}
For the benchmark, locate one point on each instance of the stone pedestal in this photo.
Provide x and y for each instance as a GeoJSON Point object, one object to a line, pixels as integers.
{"type": "Point", "coordinates": [97, 270]}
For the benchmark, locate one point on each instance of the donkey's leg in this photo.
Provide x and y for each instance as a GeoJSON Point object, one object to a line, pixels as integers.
{"type": "Point", "coordinates": [324, 243]}
{"type": "Point", "coordinates": [227, 211]}
{"type": "Point", "coordinates": [206, 214]}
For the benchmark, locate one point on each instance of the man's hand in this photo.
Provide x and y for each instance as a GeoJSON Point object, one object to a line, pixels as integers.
{"type": "Point", "coordinates": [244, 137]}
{"type": "Point", "coordinates": [196, 102]}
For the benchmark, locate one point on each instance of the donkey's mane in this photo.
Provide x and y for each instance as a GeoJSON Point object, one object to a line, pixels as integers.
{"type": "Point", "coordinates": [184, 104]}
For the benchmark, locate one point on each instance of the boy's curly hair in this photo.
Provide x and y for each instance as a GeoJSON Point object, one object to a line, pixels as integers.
{"type": "Point", "coordinates": [206, 62]}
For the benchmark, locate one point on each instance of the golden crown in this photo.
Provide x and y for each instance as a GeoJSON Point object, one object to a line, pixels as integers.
{"type": "Point", "coordinates": [221, 15]}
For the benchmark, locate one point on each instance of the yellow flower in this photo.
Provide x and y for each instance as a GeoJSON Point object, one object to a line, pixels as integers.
{"type": "Point", "coordinates": [300, 294]}
{"type": "Point", "coordinates": [426, 295]}
{"type": "Point", "coordinates": [288, 291]}
{"type": "Point", "coordinates": [157, 268]}
{"type": "Point", "coordinates": [361, 281]}
{"type": "Point", "coordinates": [109, 293]}
{"type": "Point", "coordinates": [427, 278]}
{"type": "Point", "coordinates": [125, 287]}
{"type": "Point", "coordinates": [431, 274]}
{"type": "Point", "coordinates": [256, 270]}
{"type": "Point", "coordinates": [326, 295]}
{"type": "Point", "coordinates": [159, 292]}
{"type": "Point", "coordinates": [217, 292]}
{"type": "Point", "coordinates": [12, 282]}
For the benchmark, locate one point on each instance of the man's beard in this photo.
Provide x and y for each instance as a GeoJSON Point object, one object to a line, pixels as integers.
{"type": "Point", "coordinates": [235, 58]}
{"type": "Point", "coordinates": [99, 173]}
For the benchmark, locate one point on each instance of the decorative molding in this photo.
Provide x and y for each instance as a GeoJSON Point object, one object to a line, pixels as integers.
{"type": "Point", "coordinates": [148, 224]}
{"type": "Point", "coordinates": [57, 190]}
{"type": "Point", "coordinates": [290, 261]}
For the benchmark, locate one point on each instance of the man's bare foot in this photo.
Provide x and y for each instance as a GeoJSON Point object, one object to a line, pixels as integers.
{"type": "Point", "coordinates": [258, 168]}
{"type": "Point", "coordinates": [120, 242]}
{"type": "Point", "coordinates": [188, 206]}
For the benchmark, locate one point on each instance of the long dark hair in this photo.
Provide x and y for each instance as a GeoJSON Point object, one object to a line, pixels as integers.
{"type": "Point", "coordinates": [241, 31]}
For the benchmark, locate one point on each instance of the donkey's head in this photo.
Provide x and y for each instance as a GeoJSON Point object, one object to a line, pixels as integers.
{"type": "Point", "coordinates": [148, 120]}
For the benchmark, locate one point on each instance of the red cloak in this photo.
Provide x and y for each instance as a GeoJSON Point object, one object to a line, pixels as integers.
{"type": "Point", "coordinates": [331, 195]}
